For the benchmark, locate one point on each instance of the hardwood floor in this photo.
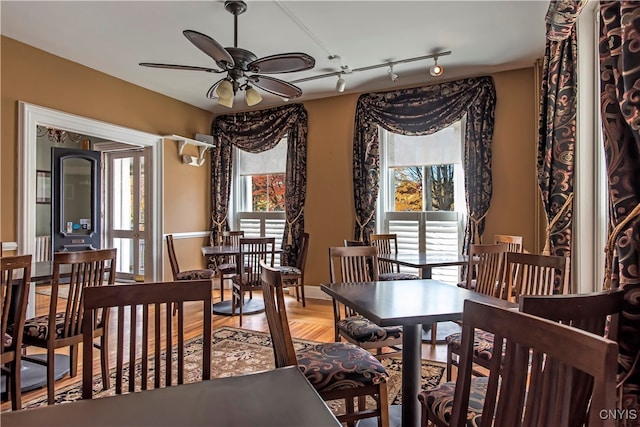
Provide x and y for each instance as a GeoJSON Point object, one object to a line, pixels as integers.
{"type": "Point", "coordinates": [313, 322]}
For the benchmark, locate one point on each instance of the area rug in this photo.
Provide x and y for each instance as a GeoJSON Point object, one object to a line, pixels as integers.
{"type": "Point", "coordinates": [240, 352]}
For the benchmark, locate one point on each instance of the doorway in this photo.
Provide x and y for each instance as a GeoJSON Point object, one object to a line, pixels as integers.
{"type": "Point", "coordinates": [30, 116]}
{"type": "Point", "coordinates": [125, 213]}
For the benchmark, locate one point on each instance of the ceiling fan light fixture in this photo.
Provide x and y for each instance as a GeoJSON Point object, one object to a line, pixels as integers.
{"type": "Point", "coordinates": [251, 96]}
{"type": "Point", "coordinates": [226, 102]}
{"type": "Point", "coordinates": [340, 84]}
{"type": "Point", "coordinates": [436, 69]}
{"type": "Point", "coordinates": [225, 90]}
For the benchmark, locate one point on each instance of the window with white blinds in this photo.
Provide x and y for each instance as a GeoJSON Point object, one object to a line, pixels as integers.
{"type": "Point", "coordinates": [257, 199]}
{"type": "Point", "coordinates": [422, 194]}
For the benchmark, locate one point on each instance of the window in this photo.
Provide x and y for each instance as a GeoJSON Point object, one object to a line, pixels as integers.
{"type": "Point", "coordinates": [422, 193]}
{"type": "Point", "coordinates": [258, 191]}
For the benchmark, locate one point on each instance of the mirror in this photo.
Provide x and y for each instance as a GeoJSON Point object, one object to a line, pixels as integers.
{"type": "Point", "coordinates": [76, 196]}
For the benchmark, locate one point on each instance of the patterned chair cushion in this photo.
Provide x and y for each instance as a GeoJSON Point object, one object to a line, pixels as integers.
{"type": "Point", "coordinates": [289, 270]}
{"type": "Point", "coordinates": [245, 280]}
{"type": "Point", "coordinates": [482, 344]}
{"type": "Point", "coordinates": [439, 400]}
{"type": "Point", "coordinates": [339, 366]}
{"type": "Point", "coordinates": [227, 268]}
{"type": "Point", "coordinates": [364, 330]}
{"type": "Point", "coordinates": [196, 274]}
{"type": "Point", "coordinates": [397, 276]}
{"type": "Point", "coordinates": [37, 328]}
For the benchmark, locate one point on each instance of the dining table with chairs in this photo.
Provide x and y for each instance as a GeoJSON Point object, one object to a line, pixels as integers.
{"type": "Point", "coordinates": [409, 303]}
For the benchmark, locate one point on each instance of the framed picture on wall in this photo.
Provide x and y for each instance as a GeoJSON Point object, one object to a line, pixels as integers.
{"type": "Point", "coordinates": [43, 187]}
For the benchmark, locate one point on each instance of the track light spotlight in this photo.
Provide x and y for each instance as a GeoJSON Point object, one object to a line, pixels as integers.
{"type": "Point", "coordinates": [340, 84]}
{"type": "Point", "coordinates": [436, 70]}
{"type": "Point", "coordinates": [393, 76]}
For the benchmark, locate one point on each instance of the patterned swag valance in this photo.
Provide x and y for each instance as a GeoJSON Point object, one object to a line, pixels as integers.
{"type": "Point", "coordinates": [424, 111]}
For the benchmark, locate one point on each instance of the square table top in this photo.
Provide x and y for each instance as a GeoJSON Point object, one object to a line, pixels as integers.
{"type": "Point", "coordinates": [408, 302]}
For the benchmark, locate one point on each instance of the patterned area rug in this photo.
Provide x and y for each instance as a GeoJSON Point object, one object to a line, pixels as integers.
{"type": "Point", "coordinates": [239, 352]}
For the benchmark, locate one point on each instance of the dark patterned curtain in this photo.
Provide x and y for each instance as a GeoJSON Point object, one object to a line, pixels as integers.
{"type": "Point", "coordinates": [258, 131]}
{"type": "Point", "coordinates": [423, 111]}
{"type": "Point", "coordinates": [557, 127]}
{"type": "Point", "coordinates": [620, 107]}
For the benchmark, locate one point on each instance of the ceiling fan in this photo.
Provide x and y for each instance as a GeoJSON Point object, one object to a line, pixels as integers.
{"type": "Point", "coordinates": [240, 64]}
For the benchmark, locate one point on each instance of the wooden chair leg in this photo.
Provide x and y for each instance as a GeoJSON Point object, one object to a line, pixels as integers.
{"type": "Point", "coordinates": [383, 403]}
{"type": "Point", "coordinates": [449, 362]}
{"type": "Point", "coordinates": [104, 360]}
{"type": "Point", "coordinates": [73, 360]}
{"type": "Point", "coordinates": [304, 304]}
{"type": "Point", "coordinates": [50, 376]}
{"type": "Point", "coordinates": [349, 408]}
{"type": "Point", "coordinates": [241, 302]}
{"type": "Point", "coordinates": [16, 394]}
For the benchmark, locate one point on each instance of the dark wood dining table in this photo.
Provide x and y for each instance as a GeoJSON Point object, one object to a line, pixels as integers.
{"type": "Point", "coordinates": [251, 306]}
{"type": "Point", "coordinates": [280, 397]}
{"type": "Point", "coordinates": [425, 262]}
{"type": "Point", "coordinates": [410, 303]}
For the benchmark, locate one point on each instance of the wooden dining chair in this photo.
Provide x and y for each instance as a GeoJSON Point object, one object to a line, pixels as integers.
{"type": "Point", "coordinates": [226, 265]}
{"type": "Point", "coordinates": [14, 293]}
{"type": "Point", "coordinates": [485, 269]}
{"type": "Point", "coordinates": [513, 242]}
{"type": "Point", "coordinates": [336, 370]}
{"type": "Point", "coordinates": [524, 274]}
{"type": "Point", "coordinates": [146, 356]}
{"type": "Point", "coordinates": [251, 251]}
{"type": "Point", "coordinates": [531, 380]}
{"type": "Point", "coordinates": [293, 276]}
{"type": "Point", "coordinates": [352, 265]}
{"type": "Point", "coordinates": [178, 275]}
{"type": "Point", "coordinates": [57, 329]}
{"type": "Point", "coordinates": [388, 244]}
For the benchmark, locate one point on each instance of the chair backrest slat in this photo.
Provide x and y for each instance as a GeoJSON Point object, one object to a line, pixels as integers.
{"type": "Point", "coordinates": [173, 260]}
{"type": "Point", "coordinates": [513, 242]}
{"type": "Point", "coordinates": [153, 302]}
{"type": "Point", "coordinates": [352, 264]}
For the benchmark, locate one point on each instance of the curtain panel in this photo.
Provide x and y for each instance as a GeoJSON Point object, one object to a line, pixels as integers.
{"type": "Point", "coordinates": [557, 125]}
{"type": "Point", "coordinates": [258, 131]}
{"type": "Point", "coordinates": [619, 47]}
{"type": "Point", "coordinates": [424, 111]}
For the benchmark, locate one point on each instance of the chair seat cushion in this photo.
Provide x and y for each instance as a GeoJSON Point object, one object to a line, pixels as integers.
{"type": "Point", "coordinates": [229, 268]}
{"type": "Point", "coordinates": [196, 274]}
{"type": "Point", "coordinates": [245, 281]}
{"type": "Point", "coordinates": [482, 344]}
{"type": "Point", "coordinates": [439, 400]}
{"type": "Point", "coordinates": [397, 276]}
{"type": "Point", "coordinates": [364, 330]}
{"type": "Point", "coordinates": [37, 328]}
{"type": "Point", "coordinates": [289, 270]}
{"type": "Point", "coordinates": [339, 366]}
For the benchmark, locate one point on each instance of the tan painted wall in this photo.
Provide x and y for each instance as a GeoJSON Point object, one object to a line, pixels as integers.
{"type": "Point", "coordinates": [36, 77]}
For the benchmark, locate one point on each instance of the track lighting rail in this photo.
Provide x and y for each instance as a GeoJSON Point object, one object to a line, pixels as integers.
{"type": "Point", "coordinates": [372, 67]}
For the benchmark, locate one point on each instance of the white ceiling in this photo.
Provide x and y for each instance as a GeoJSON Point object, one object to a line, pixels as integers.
{"type": "Point", "coordinates": [114, 36]}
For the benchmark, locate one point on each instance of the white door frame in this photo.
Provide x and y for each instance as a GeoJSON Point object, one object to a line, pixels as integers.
{"type": "Point", "coordinates": [30, 116]}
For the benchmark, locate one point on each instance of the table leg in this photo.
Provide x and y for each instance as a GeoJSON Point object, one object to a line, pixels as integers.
{"type": "Point", "coordinates": [425, 273]}
{"type": "Point", "coordinates": [411, 359]}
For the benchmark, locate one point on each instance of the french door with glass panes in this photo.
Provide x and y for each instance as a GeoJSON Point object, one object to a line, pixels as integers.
{"type": "Point", "coordinates": [126, 211]}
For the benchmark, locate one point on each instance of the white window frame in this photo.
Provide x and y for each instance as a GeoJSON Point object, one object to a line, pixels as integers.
{"type": "Point", "coordinates": [386, 215]}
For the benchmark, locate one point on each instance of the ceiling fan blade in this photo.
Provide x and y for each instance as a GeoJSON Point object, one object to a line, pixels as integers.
{"type": "Point", "coordinates": [211, 48]}
{"type": "Point", "coordinates": [211, 93]}
{"type": "Point", "coordinates": [276, 86]}
{"type": "Point", "coordinates": [180, 67]}
{"type": "Point", "coordinates": [282, 63]}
